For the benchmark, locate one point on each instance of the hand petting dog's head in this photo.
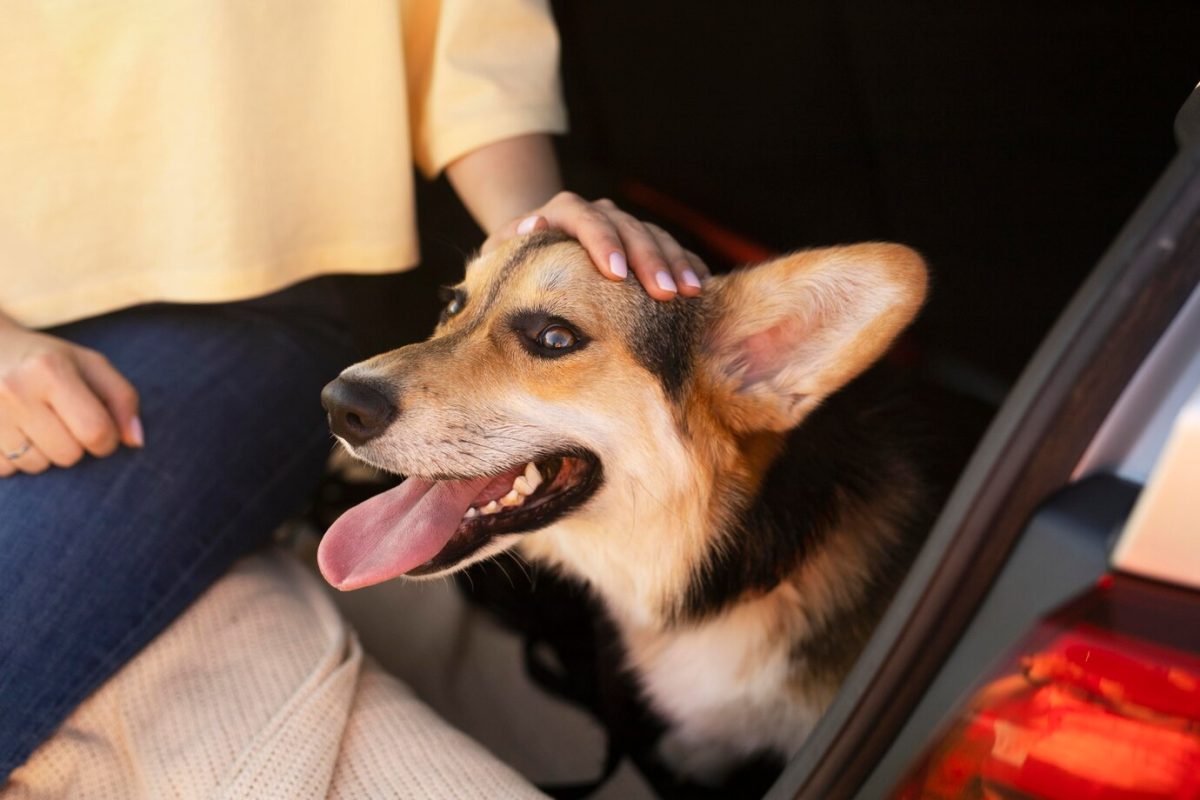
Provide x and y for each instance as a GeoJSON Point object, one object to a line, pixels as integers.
{"type": "Point", "coordinates": [592, 424]}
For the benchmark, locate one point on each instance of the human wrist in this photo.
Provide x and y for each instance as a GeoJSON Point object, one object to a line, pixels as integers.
{"type": "Point", "coordinates": [506, 179]}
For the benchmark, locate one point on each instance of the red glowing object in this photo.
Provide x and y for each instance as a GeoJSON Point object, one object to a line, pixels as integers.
{"type": "Point", "coordinates": [1082, 712]}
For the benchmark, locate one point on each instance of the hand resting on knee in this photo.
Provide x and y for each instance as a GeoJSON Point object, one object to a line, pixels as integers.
{"type": "Point", "coordinates": [58, 401]}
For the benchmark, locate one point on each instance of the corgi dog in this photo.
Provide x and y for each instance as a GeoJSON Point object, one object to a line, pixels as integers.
{"type": "Point", "coordinates": [694, 462]}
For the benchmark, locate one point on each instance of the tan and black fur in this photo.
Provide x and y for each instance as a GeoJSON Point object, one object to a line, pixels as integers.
{"type": "Point", "coordinates": [748, 520]}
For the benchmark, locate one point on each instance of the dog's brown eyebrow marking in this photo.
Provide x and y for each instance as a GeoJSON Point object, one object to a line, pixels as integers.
{"type": "Point", "coordinates": [528, 247]}
{"type": "Point", "coordinates": [531, 245]}
{"type": "Point", "coordinates": [478, 310]}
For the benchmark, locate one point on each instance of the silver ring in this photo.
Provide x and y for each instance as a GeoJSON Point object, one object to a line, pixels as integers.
{"type": "Point", "coordinates": [20, 451]}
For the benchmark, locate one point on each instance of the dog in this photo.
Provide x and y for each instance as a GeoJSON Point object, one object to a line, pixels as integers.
{"type": "Point", "coordinates": [697, 463]}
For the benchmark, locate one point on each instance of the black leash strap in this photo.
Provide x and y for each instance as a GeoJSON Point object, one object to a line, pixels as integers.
{"type": "Point", "coordinates": [555, 683]}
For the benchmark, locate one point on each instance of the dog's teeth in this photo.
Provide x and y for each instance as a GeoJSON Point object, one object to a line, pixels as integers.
{"type": "Point", "coordinates": [513, 498]}
{"type": "Point", "coordinates": [521, 485]}
{"type": "Point", "coordinates": [471, 513]}
{"type": "Point", "coordinates": [532, 476]}
{"type": "Point", "coordinates": [491, 508]}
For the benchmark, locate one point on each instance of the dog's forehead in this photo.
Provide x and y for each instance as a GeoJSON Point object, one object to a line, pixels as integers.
{"type": "Point", "coordinates": [543, 263]}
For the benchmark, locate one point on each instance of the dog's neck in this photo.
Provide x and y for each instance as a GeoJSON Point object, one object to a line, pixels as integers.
{"type": "Point", "coordinates": [726, 520]}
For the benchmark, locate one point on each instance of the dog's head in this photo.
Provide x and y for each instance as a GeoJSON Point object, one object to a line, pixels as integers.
{"type": "Point", "coordinates": [592, 424]}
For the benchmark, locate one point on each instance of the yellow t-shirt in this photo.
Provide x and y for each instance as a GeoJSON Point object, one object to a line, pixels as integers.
{"type": "Point", "coordinates": [208, 150]}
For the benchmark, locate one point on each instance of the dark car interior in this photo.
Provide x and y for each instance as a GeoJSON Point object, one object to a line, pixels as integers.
{"type": "Point", "coordinates": [1008, 143]}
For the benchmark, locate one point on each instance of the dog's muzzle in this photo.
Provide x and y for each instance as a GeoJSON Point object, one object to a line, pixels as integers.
{"type": "Point", "coordinates": [358, 412]}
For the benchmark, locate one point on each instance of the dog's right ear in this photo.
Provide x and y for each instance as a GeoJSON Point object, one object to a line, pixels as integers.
{"type": "Point", "coordinates": [782, 336]}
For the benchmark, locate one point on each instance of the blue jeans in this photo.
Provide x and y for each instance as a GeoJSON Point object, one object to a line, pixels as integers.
{"type": "Point", "coordinates": [95, 560]}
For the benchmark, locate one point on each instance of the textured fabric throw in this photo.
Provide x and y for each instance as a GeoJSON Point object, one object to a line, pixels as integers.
{"type": "Point", "coordinates": [261, 690]}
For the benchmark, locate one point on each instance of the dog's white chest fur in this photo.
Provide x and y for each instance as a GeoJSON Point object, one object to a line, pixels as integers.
{"type": "Point", "coordinates": [728, 688]}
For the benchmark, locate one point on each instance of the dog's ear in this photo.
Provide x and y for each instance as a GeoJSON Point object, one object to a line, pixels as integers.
{"type": "Point", "coordinates": [782, 336]}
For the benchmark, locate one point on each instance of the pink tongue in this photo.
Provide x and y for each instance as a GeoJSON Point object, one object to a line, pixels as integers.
{"type": "Point", "coordinates": [394, 532]}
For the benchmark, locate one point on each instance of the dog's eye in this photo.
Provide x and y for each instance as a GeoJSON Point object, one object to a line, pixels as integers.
{"type": "Point", "coordinates": [545, 335]}
{"type": "Point", "coordinates": [557, 337]}
{"type": "Point", "coordinates": [454, 299]}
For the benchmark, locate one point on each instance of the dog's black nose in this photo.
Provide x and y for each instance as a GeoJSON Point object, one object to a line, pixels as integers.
{"type": "Point", "coordinates": [357, 412]}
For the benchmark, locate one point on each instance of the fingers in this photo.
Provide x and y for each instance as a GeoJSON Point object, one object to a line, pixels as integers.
{"type": "Point", "coordinates": [616, 242]}
{"type": "Point", "coordinates": [646, 257]}
{"type": "Point", "coordinates": [588, 223]}
{"type": "Point", "coordinates": [9, 445]}
{"type": "Point", "coordinates": [518, 227]}
{"type": "Point", "coordinates": [25, 457]}
{"type": "Point", "coordinates": [682, 270]}
{"type": "Point", "coordinates": [58, 401]}
{"type": "Point", "coordinates": [117, 394]}
{"type": "Point", "coordinates": [50, 439]}
{"type": "Point", "coordinates": [30, 420]}
{"type": "Point", "coordinates": [84, 414]}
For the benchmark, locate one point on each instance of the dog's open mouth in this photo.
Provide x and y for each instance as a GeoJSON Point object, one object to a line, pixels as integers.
{"type": "Point", "coordinates": [424, 525]}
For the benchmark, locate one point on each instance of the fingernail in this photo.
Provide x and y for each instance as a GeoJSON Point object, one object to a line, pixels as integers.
{"type": "Point", "coordinates": [616, 263]}
{"type": "Point", "coordinates": [136, 434]}
{"type": "Point", "coordinates": [527, 225]}
{"type": "Point", "coordinates": [665, 282]}
{"type": "Point", "coordinates": [690, 279]}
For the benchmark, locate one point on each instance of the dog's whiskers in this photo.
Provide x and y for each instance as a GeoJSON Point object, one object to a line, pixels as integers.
{"type": "Point", "coordinates": [520, 562]}
{"type": "Point", "coordinates": [496, 560]}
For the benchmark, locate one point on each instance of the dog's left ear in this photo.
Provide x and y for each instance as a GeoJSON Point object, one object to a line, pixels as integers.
{"type": "Point", "coordinates": [784, 335]}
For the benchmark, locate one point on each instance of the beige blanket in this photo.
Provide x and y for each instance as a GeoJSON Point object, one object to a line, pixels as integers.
{"type": "Point", "coordinates": [260, 690]}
